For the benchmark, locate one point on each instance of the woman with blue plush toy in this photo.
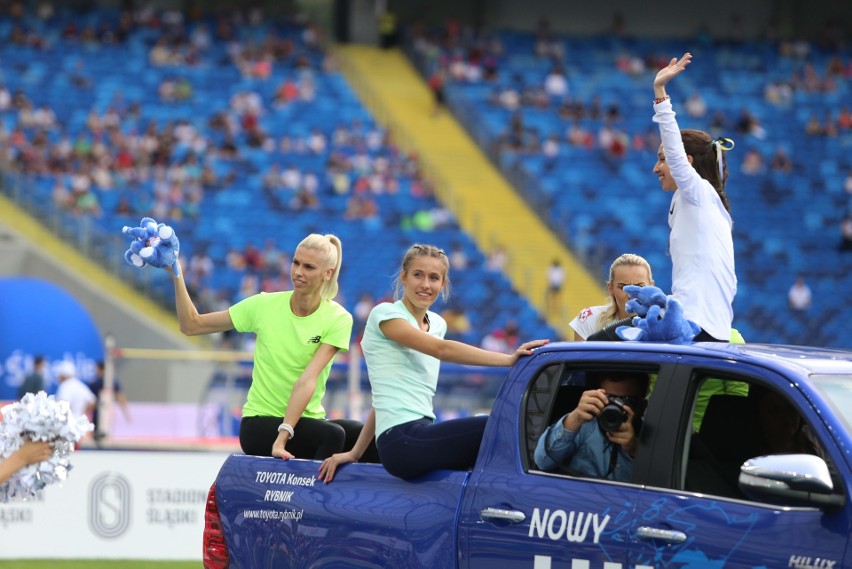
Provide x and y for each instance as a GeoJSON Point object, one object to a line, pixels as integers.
{"type": "Point", "coordinates": [298, 333]}
{"type": "Point", "coordinates": [692, 164]}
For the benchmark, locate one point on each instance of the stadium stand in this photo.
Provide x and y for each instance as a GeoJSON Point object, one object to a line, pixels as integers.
{"type": "Point", "coordinates": [583, 160]}
{"type": "Point", "coordinates": [110, 120]}
{"type": "Point", "coordinates": [184, 90]}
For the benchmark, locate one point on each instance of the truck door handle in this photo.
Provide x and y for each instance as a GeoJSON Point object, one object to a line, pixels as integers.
{"type": "Point", "coordinates": [670, 536]}
{"type": "Point", "coordinates": [500, 514]}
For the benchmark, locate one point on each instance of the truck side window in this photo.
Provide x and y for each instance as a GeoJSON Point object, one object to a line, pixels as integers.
{"type": "Point", "coordinates": [579, 445]}
{"type": "Point", "coordinates": [737, 426]}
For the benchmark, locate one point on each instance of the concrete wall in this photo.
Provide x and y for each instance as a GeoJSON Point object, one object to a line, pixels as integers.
{"type": "Point", "coordinates": [26, 249]}
{"type": "Point", "coordinates": [669, 18]}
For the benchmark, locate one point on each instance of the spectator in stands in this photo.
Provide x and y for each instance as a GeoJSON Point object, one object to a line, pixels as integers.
{"type": "Point", "coordinates": [200, 269]}
{"type": "Point", "coordinates": [436, 84]}
{"type": "Point", "coordinates": [627, 269]}
{"type": "Point", "coordinates": [362, 311]}
{"type": "Point", "coordinates": [696, 106]}
{"type": "Point", "coordinates": [555, 282]}
{"type": "Point", "coordinates": [30, 452]}
{"type": "Point", "coordinates": [458, 324]}
{"type": "Point", "coordinates": [578, 443]}
{"type": "Point", "coordinates": [556, 84]}
{"type": "Point", "coordinates": [799, 297]}
{"type": "Point", "coordinates": [846, 234]}
{"type": "Point", "coordinates": [504, 339]}
{"type": "Point", "coordinates": [458, 257]}
{"type": "Point", "coordinates": [781, 161]}
{"type": "Point", "coordinates": [404, 346]}
{"type": "Point", "coordinates": [753, 163]}
{"type": "Point", "coordinates": [34, 381]}
{"type": "Point", "coordinates": [252, 257]}
{"type": "Point", "coordinates": [814, 127]}
{"type": "Point", "coordinates": [496, 260]}
{"type": "Point", "coordinates": [495, 341]}
{"type": "Point", "coordinates": [847, 184]}
{"type": "Point", "coordinates": [249, 286]}
{"type": "Point", "coordinates": [692, 165]}
{"type": "Point", "coordinates": [273, 258]}
{"type": "Point", "coordinates": [298, 332]}
{"type": "Point", "coordinates": [844, 119]}
{"type": "Point", "coordinates": [234, 259]}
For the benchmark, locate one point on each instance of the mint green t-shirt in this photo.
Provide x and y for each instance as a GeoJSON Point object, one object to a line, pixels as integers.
{"type": "Point", "coordinates": [403, 380]}
{"type": "Point", "coordinates": [285, 345]}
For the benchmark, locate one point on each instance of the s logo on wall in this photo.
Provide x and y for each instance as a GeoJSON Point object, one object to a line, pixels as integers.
{"type": "Point", "coordinates": [109, 505]}
{"type": "Point", "coordinates": [40, 317]}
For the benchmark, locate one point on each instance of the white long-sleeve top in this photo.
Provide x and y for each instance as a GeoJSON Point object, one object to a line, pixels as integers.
{"type": "Point", "coordinates": [701, 243]}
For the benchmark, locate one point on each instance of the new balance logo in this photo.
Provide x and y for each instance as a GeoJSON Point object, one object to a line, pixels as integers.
{"type": "Point", "coordinates": [314, 340]}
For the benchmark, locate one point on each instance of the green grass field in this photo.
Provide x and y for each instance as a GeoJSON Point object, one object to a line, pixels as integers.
{"type": "Point", "coordinates": [96, 564]}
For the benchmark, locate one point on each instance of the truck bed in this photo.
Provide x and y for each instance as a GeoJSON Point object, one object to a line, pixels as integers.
{"type": "Point", "coordinates": [277, 513]}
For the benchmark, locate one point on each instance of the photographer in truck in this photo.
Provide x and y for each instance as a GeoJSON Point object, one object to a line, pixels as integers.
{"type": "Point", "coordinates": [599, 437]}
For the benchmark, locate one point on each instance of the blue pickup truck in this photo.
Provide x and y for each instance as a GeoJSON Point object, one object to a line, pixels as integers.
{"type": "Point", "coordinates": [706, 490]}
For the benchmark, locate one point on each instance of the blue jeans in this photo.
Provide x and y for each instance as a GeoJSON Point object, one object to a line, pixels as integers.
{"type": "Point", "coordinates": [412, 449]}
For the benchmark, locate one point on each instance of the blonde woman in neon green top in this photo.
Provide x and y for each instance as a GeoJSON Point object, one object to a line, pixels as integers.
{"type": "Point", "coordinates": [298, 333]}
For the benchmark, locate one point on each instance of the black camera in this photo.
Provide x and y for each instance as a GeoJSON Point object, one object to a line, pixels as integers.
{"type": "Point", "coordinates": [613, 414]}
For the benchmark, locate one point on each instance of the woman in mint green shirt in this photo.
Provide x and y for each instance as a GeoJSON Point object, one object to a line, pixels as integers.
{"type": "Point", "coordinates": [403, 347]}
{"type": "Point", "coordinates": [298, 333]}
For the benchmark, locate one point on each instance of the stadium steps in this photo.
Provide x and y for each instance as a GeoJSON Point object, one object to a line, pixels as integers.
{"type": "Point", "coordinates": [484, 203]}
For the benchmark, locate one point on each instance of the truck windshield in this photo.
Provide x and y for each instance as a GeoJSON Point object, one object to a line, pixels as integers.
{"type": "Point", "coordinates": [837, 389]}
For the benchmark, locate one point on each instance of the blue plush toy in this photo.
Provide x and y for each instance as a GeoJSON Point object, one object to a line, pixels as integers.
{"type": "Point", "coordinates": [154, 244]}
{"type": "Point", "coordinates": [644, 297]}
{"type": "Point", "coordinates": [662, 318]}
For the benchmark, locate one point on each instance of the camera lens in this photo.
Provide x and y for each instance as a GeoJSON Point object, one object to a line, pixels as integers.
{"type": "Point", "coordinates": [612, 415]}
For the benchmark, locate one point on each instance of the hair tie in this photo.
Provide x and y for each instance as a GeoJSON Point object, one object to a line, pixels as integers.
{"type": "Point", "coordinates": [719, 144]}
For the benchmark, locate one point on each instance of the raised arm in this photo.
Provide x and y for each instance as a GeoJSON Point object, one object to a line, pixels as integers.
{"type": "Point", "coordinates": [669, 72]}
{"type": "Point", "coordinates": [303, 390]}
{"type": "Point", "coordinates": [403, 333]}
{"type": "Point", "coordinates": [191, 322]}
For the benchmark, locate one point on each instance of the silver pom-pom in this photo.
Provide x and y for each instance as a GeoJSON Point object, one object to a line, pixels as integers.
{"type": "Point", "coordinates": [39, 417]}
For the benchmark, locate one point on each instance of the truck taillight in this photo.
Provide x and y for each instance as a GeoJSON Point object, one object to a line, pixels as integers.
{"type": "Point", "coordinates": [215, 548]}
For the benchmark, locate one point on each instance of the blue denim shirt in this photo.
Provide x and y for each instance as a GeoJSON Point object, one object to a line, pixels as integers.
{"type": "Point", "coordinates": [586, 452]}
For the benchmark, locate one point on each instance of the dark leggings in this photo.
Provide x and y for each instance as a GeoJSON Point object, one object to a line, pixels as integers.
{"type": "Point", "coordinates": [313, 438]}
{"type": "Point", "coordinates": [417, 447]}
{"type": "Point", "coordinates": [607, 333]}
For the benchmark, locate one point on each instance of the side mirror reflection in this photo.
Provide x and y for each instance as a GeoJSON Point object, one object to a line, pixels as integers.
{"type": "Point", "coordinates": [790, 480]}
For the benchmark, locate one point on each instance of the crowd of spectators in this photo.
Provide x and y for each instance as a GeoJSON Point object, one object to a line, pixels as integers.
{"type": "Point", "coordinates": [470, 56]}
{"type": "Point", "coordinates": [126, 159]}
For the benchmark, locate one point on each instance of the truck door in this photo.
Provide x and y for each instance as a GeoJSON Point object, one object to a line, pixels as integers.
{"type": "Point", "coordinates": [516, 515]}
{"type": "Point", "coordinates": [694, 513]}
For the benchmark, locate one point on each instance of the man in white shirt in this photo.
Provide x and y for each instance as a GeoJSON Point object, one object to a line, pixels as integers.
{"type": "Point", "coordinates": [78, 395]}
{"type": "Point", "coordinates": [799, 296]}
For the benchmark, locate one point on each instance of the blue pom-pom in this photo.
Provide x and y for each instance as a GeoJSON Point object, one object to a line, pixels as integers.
{"type": "Point", "coordinates": [644, 297]}
{"type": "Point", "coordinates": [658, 325]}
{"type": "Point", "coordinates": [154, 244]}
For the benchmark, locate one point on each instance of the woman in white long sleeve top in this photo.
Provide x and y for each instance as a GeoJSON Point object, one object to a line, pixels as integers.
{"type": "Point", "coordinates": [692, 165]}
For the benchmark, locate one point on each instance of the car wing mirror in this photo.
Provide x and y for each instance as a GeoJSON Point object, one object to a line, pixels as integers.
{"type": "Point", "coordinates": [790, 480]}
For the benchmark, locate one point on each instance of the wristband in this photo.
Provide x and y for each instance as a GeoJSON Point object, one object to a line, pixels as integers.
{"type": "Point", "coordinates": [286, 427]}
{"type": "Point", "coordinates": [659, 100]}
